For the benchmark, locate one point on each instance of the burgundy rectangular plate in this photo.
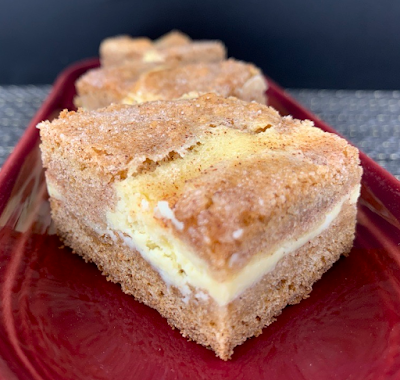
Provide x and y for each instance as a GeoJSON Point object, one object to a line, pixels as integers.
{"type": "Point", "coordinates": [61, 319]}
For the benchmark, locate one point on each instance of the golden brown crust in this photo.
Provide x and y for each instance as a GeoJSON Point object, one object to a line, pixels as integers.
{"type": "Point", "coordinates": [172, 38]}
{"type": "Point", "coordinates": [270, 200]}
{"type": "Point", "coordinates": [174, 46]}
{"type": "Point", "coordinates": [142, 82]}
{"type": "Point", "coordinates": [269, 197]}
{"type": "Point", "coordinates": [226, 78]}
{"type": "Point", "coordinates": [102, 86]}
{"type": "Point", "coordinates": [115, 49]}
{"type": "Point", "coordinates": [120, 138]}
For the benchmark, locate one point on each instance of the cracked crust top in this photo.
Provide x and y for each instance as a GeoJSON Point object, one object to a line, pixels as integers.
{"type": "Point", "coordinates": [174, 46]}
{"type": "Point", "coordinates": [121, 137]}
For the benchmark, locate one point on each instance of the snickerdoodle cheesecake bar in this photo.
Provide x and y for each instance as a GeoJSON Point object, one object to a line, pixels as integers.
{"type": "Point", "coordinates": [174, 46]}
{"type": "Point", "coordinates": [140, 82]}
{"type": "Point", "coordinates": [214, 211]}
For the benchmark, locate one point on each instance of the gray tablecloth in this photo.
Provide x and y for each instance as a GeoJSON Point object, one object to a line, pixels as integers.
{"type": "Point", "coordinates": [370, 119]}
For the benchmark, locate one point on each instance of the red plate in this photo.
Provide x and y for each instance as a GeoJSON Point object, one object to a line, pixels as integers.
{"type": "Point", "coordinates": [61, 319]}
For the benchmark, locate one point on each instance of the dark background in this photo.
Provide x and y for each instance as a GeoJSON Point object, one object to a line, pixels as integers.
{"type": "Point", "coordinates": [300, 43]}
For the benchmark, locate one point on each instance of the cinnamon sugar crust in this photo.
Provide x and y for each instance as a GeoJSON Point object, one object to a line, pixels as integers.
{"type": "Point", "coordinates": [231, 209]}
{"type": "Point", "coordinates": [174, 46]}
{"type": "Point", "coordinates": [137, 83]}
{"type": "Point", "coordinates": [121, 138]}
{"type": "Point", "coordinates": [102, 86]}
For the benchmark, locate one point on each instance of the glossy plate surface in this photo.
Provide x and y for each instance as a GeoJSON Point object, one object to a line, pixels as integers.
{"type": "Point", "coordinates": [61, 319]}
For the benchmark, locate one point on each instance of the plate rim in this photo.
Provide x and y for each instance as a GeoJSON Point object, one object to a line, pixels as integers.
{"type": "Point", "coordinates": [372, 171]}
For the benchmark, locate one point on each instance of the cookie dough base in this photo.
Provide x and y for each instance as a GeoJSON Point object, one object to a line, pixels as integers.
{"type": "Point", "coordinates": [194, 313]}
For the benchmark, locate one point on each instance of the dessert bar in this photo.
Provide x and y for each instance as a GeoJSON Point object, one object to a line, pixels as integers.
{"type": "Point", "coordinates": [214, 211]}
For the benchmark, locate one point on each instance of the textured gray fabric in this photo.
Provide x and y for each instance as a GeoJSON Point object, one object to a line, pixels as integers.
{"type": "Point", "coordinates": [18, 105]}
{"type": "Point", "coordinates": [370, 119]}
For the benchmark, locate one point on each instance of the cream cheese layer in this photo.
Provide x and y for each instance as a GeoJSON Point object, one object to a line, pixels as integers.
{"type": "Point", "coordinates": [180, 267]}
{"type": "Point", "coordinates": [53, 191]}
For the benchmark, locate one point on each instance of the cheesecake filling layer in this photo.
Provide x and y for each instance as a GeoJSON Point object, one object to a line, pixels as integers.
{"type": "Point", "coordinates": [142, 208]}
{"type": "Point", "coordinates": [180, 267]}
{"type": "Point", "coordinates": [139, 97]}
